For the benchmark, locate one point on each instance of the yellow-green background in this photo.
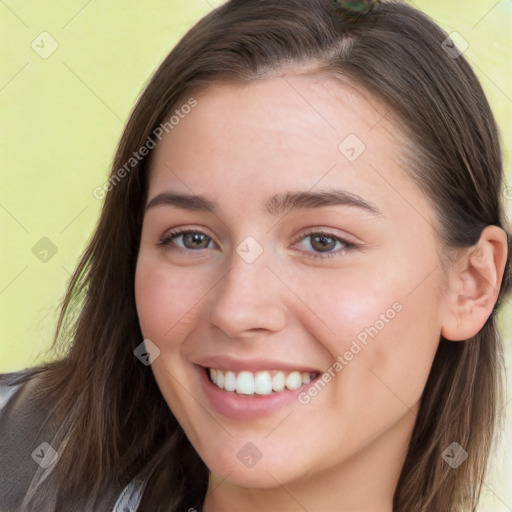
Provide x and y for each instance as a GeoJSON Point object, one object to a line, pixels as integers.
{"type": "Point", "coordinates": [62, 117]}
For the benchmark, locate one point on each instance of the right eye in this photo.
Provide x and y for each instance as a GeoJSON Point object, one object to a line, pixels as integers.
{"type": "Point", "coordinates": [186, 239]}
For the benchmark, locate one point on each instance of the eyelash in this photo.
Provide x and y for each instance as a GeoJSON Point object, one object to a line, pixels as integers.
{"type": "Point", "coordinates": [170, 236]}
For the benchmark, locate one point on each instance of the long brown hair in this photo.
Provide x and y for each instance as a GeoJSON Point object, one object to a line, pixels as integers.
{"type": "Point", "coordinates": [107, 403]}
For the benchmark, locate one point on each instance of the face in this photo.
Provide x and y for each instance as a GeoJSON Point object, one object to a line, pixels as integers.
{"type": "Point", "coordinates": [286, 256]}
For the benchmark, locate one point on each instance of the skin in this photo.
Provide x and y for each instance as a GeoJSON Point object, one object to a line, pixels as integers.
{"type": "Point", "coordinates": [242, 144]}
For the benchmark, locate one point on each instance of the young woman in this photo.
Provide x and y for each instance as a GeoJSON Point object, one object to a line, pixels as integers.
{"type": "Point", "coordinates": [289, 302]}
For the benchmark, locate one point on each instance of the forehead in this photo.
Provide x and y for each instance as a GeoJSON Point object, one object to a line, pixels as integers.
{"type": "Point", "coordinates": [289, 115]}
{"type": "Point", "coordinates": [288, 104]}
{"type": "Point", "coordinates": [282, 132]}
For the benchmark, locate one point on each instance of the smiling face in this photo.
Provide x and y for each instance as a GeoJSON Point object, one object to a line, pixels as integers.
{"type": "Point", "coordinates": [308, 255]}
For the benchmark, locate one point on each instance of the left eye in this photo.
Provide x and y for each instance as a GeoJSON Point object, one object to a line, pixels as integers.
{"type": "Point", "coordinates": [323, 243]}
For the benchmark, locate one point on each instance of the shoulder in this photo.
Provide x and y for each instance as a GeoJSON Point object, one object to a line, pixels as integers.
{"type": "Point", "coordinates": [10, 384]}
{"type": "Point", "coordinates": [21, 432]}
{"type": "Point", "coordinates": [25, 436]}
{"type": "Point", "coordinates": [16, 388]}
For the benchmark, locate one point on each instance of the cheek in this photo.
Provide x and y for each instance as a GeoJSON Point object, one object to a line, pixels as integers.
{"type": "Point", "coordinates": [390, 297]}
{"type": "Point", "coordinates": [381, 325]}
{"type": "Point", "coordinates": [388, 350]}
{"type": "Point", "coordinates": [349, 303]}
{"type": "Point", "coordinates": [165, 301]}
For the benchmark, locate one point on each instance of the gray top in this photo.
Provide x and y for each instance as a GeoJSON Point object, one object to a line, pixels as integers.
{"type": "Point", "coordinates": [27, 456]}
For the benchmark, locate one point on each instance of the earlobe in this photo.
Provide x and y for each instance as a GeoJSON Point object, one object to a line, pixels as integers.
{"type": "Point", "coordinates": [474, 284]}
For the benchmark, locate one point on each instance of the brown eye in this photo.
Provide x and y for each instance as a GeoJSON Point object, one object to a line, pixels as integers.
{"type": "Point", "coordinates": [195, 240]}
{"type": "Point", "coordinates": [322, 243]}
{"type": "Point", "coordinates": [192, 240]}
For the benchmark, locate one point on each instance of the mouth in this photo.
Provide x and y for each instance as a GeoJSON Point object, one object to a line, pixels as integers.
{"type": "Point", "coordinates": [253, 389]}
{"type": "Point", "coordinates": [264, 382]}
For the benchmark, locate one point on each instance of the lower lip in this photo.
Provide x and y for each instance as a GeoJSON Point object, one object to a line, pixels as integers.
{"type": "Point", "coordinates": [244, 407]}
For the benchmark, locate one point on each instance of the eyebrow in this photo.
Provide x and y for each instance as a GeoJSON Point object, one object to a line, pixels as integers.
{"type": "Point", "coordinates": [275, 205]}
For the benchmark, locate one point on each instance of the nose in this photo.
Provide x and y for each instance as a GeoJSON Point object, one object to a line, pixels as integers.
{"type": "Point", "coordinates": [248, 299]}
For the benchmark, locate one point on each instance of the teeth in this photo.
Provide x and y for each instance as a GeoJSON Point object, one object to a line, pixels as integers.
{"type": "Point", "coordinates": [260, 383]}
{"type": "Point", "coordinates": [306, 377]}
{"type": "Point", "coordinates": [229, 380]}
{"type": "Point", "coordinates": [293, 381]}
{"type": "Point", "coordinates": [219, 379]}
{"type": "Point", "coordinates": [278, 381]}
{"type": "Point", "coordinates": [245, 383]}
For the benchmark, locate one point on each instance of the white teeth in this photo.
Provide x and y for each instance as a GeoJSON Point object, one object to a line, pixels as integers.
{"type": "Point", "coordinates": [219, 381]}
{"type": "Point", "coordinates": [245, 383]}
{"type": "Point", "coordinates": [260, 383]}
{"type": "Point", "coordinates": [294, 380]}
{"type": "Point", "coordinates": [278, 381]}
{"type": "Point", "coordinates": [229, 381]}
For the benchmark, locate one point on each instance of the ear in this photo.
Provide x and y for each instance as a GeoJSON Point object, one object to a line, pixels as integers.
{"type": "Point", "coordinates": [473, 285]}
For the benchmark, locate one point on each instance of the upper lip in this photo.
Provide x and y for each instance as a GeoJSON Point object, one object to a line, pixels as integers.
{"type": "Point", "coordinates": [226, 363]}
